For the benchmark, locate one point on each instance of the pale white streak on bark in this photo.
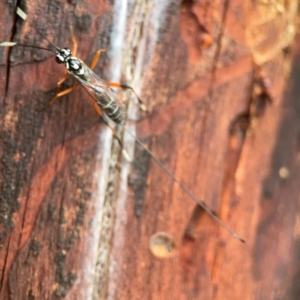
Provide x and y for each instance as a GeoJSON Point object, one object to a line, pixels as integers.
{"type": "Point", "coordinates": [145, 15]}
{"type": "Point", "coordinates": [83, 287]}
{"type": "Point", "coordinates": [117, 50]}
{"type": "Point", "coordinates": [98, 252]}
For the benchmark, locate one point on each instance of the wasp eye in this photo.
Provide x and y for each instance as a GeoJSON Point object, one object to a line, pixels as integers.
{"type": "Point", "coordinates": [59, 59]}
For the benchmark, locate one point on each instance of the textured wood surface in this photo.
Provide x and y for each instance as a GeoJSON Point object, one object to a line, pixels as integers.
{"type": "Point", "coordinates": [221, 81]}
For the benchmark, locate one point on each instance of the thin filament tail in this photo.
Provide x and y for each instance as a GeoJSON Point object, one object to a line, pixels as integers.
{"type": "Point", "coordinates": [183, 187]}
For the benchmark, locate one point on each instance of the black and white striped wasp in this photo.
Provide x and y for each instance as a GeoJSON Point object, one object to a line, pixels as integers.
{"type": "Point", "coordinates": [106, 100]}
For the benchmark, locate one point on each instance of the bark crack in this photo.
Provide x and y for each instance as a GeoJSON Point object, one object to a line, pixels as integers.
{"type": "Point", "coordinates": [259, 97]}
{"type": "Point", "coordinates": [218, 49]}
{"type": "Point", "coordinates": [4, 267]}
{"type": "Point", "coordinates": [8, 53]}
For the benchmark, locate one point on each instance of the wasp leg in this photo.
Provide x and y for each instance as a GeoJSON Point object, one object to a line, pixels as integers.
{"type": "Point", "coordinates": [61, 81]}
{"type": "Point", "coordinates": [65, 92]}
{"type": "Point", "coordinates": [96, 58]}
{"type": "Point", "coordinates": [127, 87]}
{"type": "Point", "coordinates": [97, 108]}
{"type": "Point", "coordinates": [74, 50]}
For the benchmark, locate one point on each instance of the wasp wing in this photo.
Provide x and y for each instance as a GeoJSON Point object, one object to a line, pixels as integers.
{"type": "Point", "coordinates": [105, 97]}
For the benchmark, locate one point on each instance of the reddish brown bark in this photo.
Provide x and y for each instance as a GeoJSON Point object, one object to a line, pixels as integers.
{"type": "Point", "coordinates": [220, 80]}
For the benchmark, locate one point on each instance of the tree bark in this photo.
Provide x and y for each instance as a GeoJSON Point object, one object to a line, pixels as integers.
{"type": "Point", "coordinates": [220, 79]}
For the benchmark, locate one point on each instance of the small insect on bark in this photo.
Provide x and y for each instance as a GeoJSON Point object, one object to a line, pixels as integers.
{"type": "Point", "coordinates": [106, 102]}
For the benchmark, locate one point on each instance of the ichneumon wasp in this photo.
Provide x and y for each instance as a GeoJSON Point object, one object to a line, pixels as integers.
{"type": "Point", "coordinates": [106, 103]}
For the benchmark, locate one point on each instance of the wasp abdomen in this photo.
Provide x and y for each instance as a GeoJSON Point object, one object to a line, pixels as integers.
{"type": "Point", "coordinates": [111, 108]}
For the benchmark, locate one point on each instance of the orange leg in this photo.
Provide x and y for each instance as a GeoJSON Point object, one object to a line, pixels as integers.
{"type": "Point", "coordinates": [96, 58]}
{"type": "Point", "coordinates": [62, 80]}
{"type": "Point", "coordinates": [74, 50]}
{"type": "Point", "coordinates": [65, 92]}
{"type": "Point", "coordinates": [96, 107]}
{"type": "Point", "coordinates": [127, 87]}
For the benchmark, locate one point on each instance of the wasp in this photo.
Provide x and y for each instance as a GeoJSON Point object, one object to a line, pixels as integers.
{"type": "Point", "coordinates": [105, 100]}
{"type": "Point", "coordinates": [99, 91]}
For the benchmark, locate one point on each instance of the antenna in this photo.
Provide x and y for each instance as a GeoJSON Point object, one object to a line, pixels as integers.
{"type": "Point", "coordinates": [36, 28]}
{"type": "Point", "coordinates": [57, 48]}
{"type": "Point", "coordinates": [32, 46]}
{"type": "Point", "coordinates": [22, 14]}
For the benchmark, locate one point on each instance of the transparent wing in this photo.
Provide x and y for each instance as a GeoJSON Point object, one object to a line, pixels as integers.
{"type": "Point", "coordinates": [97, 88]}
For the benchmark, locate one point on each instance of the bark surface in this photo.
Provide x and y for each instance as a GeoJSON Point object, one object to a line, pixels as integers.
{"type": "Point", "coordinates": [221, 81]}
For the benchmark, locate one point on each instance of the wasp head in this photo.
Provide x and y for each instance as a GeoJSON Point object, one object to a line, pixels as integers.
{"type": "Point", "coordinates": [73, 64]}
{"type": "Point", "coordinates": [62, 55]}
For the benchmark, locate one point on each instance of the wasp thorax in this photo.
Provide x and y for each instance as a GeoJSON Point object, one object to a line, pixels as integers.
{"type": "Point", "coordinates": [73, 65]}
{"type": "Point", "coordinates": [62, 55]}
